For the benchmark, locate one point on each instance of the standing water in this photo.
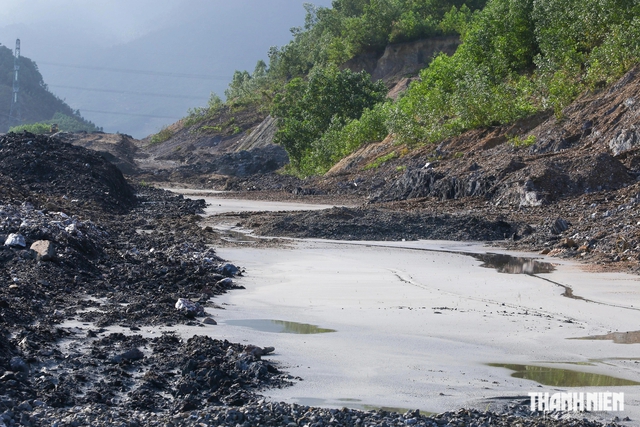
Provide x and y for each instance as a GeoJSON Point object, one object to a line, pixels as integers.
{"type": "Point", "coordinates": [424, 325]}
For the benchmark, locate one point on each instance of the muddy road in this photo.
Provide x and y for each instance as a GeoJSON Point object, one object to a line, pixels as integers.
{"type": "Point", "coordinates": [109, 304]}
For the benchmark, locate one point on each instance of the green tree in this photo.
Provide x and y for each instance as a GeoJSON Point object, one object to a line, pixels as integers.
{"type": "Point", "coordinates": [307, 108]}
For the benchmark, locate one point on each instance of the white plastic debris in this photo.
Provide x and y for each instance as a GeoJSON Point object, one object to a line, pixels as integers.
{"type": "Point", "coordinates": [15, 240]}
{"type": "Point", "coordinates": [189, 306]}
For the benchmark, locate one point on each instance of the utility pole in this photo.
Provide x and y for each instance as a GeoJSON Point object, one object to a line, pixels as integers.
{"type": "Point", "coordinates": [15, 107]}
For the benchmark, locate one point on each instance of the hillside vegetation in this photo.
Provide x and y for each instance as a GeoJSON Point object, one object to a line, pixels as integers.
{"type": "Point", "coordinates": [37, 105]}
{"type": "Point", "coordinates": [516, 58]}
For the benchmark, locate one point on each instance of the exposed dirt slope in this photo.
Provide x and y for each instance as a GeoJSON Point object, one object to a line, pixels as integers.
{"type": "Point", "coordinates": [120, 149]}
{"type": "Point", "coordinates": [233, 143]}
{"type": "Point", "coordinates": [401, 60]}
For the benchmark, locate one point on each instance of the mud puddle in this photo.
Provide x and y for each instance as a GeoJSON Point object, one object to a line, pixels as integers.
{"type": "Point", "coordinates": [279, 326]}
{"type": "Point", "coordinates": [558, 377]}
{"type": "Point", "coordinates": [508, 264]}
{"type": "Point", "coordinates": [631, 337]}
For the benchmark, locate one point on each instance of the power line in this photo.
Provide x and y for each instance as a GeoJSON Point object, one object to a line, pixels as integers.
{"type": "Point", "coordinates": [128, 114]}
{"type": "Point", "coordinates": [199, 98]}
{"type": "Point", "coordinates": [140, 72]}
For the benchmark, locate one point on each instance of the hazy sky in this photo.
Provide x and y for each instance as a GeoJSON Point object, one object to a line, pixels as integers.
{"type": "Point", "coordinates": [136, 65]}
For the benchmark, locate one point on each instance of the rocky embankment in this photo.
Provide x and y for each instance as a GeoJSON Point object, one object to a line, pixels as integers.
{"type": "Point", "coordinates": [97, 275]}
{"type": "Point", "coordinates": [565, 186]}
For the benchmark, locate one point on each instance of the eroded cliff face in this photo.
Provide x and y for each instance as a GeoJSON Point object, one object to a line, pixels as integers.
{"type": "Point", "coordinates": [402, 59]}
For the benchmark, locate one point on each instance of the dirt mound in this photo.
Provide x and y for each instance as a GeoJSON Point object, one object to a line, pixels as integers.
{"type": "Point", "coordinates": [220, 133]}
{"type": "Point", "coordinates": [232, 143]}
{"type": "Point", "coordinates": [51, 174]}
{"type": "Point", "coordinates": [378, 224]}
{"type": "Point", "coordinates": [120, 149]}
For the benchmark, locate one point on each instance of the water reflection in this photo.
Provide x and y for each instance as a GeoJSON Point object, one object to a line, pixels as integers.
{"type": "Point", "coordinates": [632, 337]}
{"type": "Point", "coordinates": [279, 326]}
{"type": "Point", "coordinates": [563, 377]}
{"type": "Point", "coordinates": [513, 265]}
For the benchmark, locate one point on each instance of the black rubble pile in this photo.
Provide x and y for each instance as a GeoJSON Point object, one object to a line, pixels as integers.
{"type": "Point", "coordinates": [261, 413]}
{"type": "Point", "coordinates": [164, 373]}
{"type": "Point", "coordinates": [367, 223]}
{"type": "Point", "coordinates": [79, 244]}
{"type": "Point", "coordinates": [147, 259]}
{"type": "Point", "coordinates": [52, 174]}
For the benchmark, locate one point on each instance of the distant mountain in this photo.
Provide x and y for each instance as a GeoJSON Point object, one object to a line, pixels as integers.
{"type": "Point", "coordinates": [202, 38]}
{"type": "Point", "coordinates": [36, 103]}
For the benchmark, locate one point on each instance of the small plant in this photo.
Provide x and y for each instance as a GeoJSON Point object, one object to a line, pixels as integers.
{"type": "Point", "coordinates": [36, 128]}
{"type": "Point", "coordinates": [217, 128]}
{"type": "Point", "coordinates": [164, 135]}
{"type": "Point", "coordinates": [458, 155]}
{"type": "Point", "coordinates": [199, 114]}
{"type": "Point", "coordinates": [381, 160]}
{"type": "Point", "coordinates": [401, 168]}
{"type": "Point", "coordinates": [518, 142]}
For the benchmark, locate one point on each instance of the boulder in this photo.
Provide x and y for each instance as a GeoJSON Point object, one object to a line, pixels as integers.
{"type": "Point", "coordinates": [44, 250]}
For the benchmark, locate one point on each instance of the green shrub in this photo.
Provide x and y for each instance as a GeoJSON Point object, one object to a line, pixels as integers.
{"type": "Point", "coordinates": [381, 160]}
{"type": "Point", "coordinates": [326, 102]}
{"type": "Point", "coordinates": [340, 140]}
{"type": "Point", "coordinates": [65, 124]}
{"type": "Point", "coordinates": [164, 135]}
{"type": "Point", "coordinates": [335, 35]}
{"type": "Point", "coordinates": [518, 142]}
{"type": "Point", "coordinates": [72, 124]}
{"type": "Point", "coordinates": [36, 128]}
{"type": "Point", "coordinates": [518, 57]}
{"type": "Point", "coordinates": [200, 114]}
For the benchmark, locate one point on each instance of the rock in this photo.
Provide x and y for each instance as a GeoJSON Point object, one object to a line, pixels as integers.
{"type": "Point", "coordinates": [569, 243]}
{"type": "Point", "coordinates": [429, 165]}
{"type": "Point", "coordinates": [226, 282]}
{"type": "Point", "coordinates": [229, 270]}
{"type": "Point", "coordinates": [44, 250]}
{"type": "Point", "coordinates": [559, 226]}
{"type": "Point", "coordinates": [15, 240]}
{"type": "Point", "coordinates": [189, 307]}
{"type": "Point", "coordinates": [258, 351]}
{"type": "Point", "coordinates": [209, 321]}
{"type": "Point", "coordinates": [625, 140]}
{"type": "Point", "coordinates": [25, 406]}
{"type": "Point", "coordinates": [556, 252]}
{"type": "Point", "coordinates": [19, 365]}
{"type": "Point", "coordinates": [130, 355]}
{"type": "Point", "coordinates": [545, 251]}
